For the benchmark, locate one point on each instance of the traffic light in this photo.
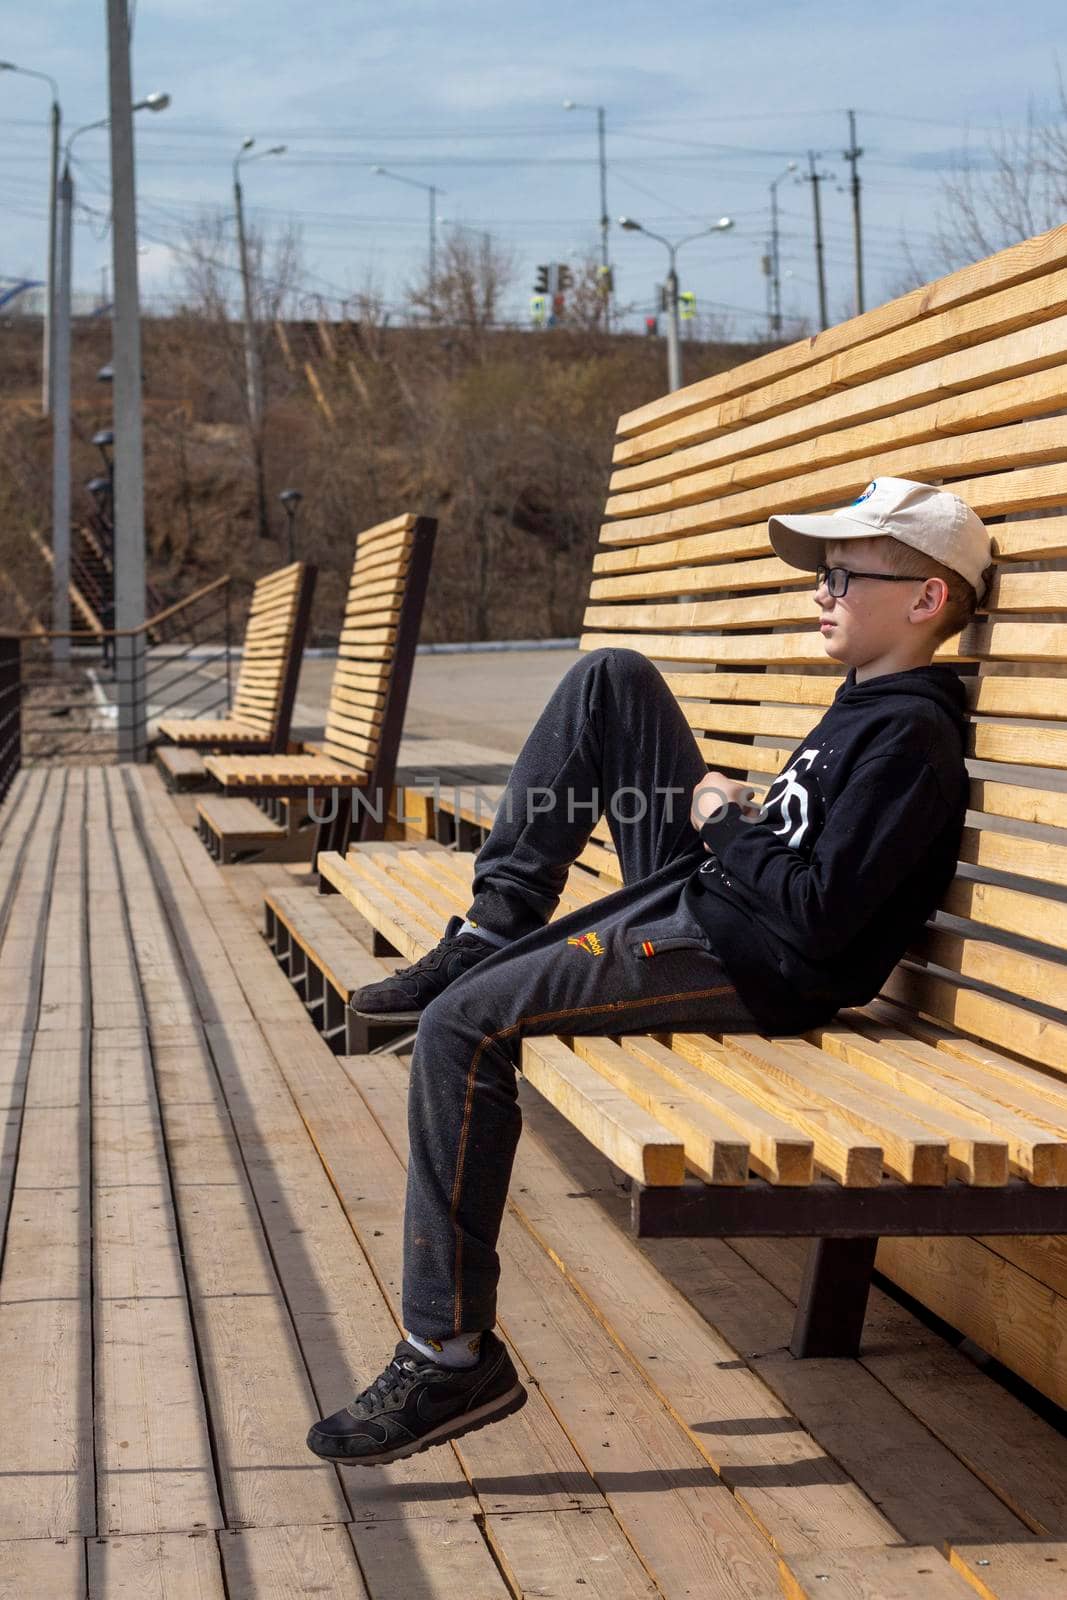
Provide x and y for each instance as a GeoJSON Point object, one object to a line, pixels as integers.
{"type": "Point", "coordinates": [541, 281]}
{"type": "Point", "coordinates": [662, 292]}
{"type": "Point", "coordinates": [559, 306]}
{"type": "Point", "coordinates": [687, 301]}
{"type": "Point", "coordinates": [538, 309]}
{"type": "Point", "coordinates": [566, 278]}
{"type": "Point", "coordinates": [651, 326]}
{"type": "Point", "coordinates": [605, 280]}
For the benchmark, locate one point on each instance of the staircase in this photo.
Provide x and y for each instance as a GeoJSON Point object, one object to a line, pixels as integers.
{"type": "Point", "coordinates": [92, 577]}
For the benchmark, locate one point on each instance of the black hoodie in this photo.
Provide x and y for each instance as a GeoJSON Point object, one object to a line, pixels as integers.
{"type": "Point", "coordinates": [812, 905]}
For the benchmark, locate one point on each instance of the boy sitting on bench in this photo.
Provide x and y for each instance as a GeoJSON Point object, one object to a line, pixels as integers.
{"type": "Point", "coordinates": [729, 920]}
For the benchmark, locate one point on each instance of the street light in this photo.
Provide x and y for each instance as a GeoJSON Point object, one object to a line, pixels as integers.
{"type": "Point", "coordinates": [290, 499]}
{"type": "Point", "coordinates": [61, 495]}
{"type": "Point", "coordinates": [433, 191]}
{"type": "Point", "coordinates": [252, 381]}
{"type": "Point", "coordinates": [48, 350]}
{"type": "Point", "coordinates": [776, 263]}
{"type": "Point", "coordinates": [605, 220]}
{"type": "Point", "coordinates": [674, 352]}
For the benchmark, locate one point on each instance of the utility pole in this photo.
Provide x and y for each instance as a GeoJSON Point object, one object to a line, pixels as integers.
{"type": "Point", "coordinates": [776, 257]}
{"type": "Point", "coordinates": [61, 425]}
{"type": "Point", "coordinates": [126, 361]}
{"type": "Point", "coordinates": [852, 156]}
{"type": "Point", "coordinates": [815, 178]}
{"type": "Point", "coordinates": [433, 239]}
{"type": "Point", "coordinates": [48, 350]}
{"type": "Point", "coordinates": [605, 220]}
{"type": "Point", "coordinates": [674, 348]}
{"type": "Point", "coordinates": [49, 353]}
{"type": "Point", "coordinates": [252, 383]}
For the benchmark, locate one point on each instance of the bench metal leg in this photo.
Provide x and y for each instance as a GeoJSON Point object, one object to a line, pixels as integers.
{"type": "Point", "coordinates": [833, 1297]}
{"type": "Point", "coordinates": [362, 1036]}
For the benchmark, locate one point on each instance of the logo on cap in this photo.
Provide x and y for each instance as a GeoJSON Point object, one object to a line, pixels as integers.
{"type": "Point", "coordinates": [866, 495]}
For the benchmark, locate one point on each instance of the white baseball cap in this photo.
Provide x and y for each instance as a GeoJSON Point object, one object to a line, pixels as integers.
{"type": "Point", "coordinates": [934, 521]}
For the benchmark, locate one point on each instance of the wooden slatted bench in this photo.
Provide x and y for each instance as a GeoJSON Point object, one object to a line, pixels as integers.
{"type": "Point", "coordinates": [259, 719]}
{"type": "Point", "coordinates": [352, 768]}
{"type": "Point", "coordinates": [935, 1119]}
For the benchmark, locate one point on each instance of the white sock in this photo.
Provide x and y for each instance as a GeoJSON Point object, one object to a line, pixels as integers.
{"type": "Point", "coordinates": [484, 933]}
{"type": "Point", "coordinates": [462, 1351]}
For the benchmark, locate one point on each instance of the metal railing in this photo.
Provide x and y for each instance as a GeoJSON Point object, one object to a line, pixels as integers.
{"type": "Point", "coordinates": [183, 657]}
{"type": "Point", "coordinates": [10, 712]}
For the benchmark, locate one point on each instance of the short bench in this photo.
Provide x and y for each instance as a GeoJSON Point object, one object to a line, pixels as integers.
{"type": "Point", "coordinates": [351, 770]}
{"type": "Point", "coordinates": [259, 719]}
{"type": "Point", "coordinates": [940, 1111]}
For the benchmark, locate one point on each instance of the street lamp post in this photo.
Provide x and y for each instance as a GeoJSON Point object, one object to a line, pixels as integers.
{"type": "Point", "coordinates": [290, 499]}
{"type": "Point", "coordinates": [48, 349]}
{"type": "Point", "coordinates": [674, 346]}
{"type": "Point", "coordinates": [61, 401]}
{"type": "Point", "coordinates": [433, 191]}
{"type": "Point", "coordinates": [252, 374]}
{"type": "Point", "coordinates": [605, 220]}
{"type": "Point", "coordinates": [776, 260]}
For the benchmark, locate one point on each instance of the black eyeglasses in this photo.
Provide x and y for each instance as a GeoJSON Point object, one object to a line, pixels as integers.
{"type": "Point", "coordinates": [837, 579]}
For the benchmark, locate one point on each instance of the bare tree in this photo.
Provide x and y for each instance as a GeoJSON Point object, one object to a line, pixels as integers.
{"type": "Point", "coordinates": [210, 277]}
{"type": "Point", "coordinates": [586, 300]}
{"type": "Point", "coordinates": [1010, 188]}
{"type": "Point", "coordinates": [473, 274]}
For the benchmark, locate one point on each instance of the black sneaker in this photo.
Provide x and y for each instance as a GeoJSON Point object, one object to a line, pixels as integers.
{"type": "Point", "coordinates": [415, 1404]}
{"type": "Point", "coordinates": [405, 994]}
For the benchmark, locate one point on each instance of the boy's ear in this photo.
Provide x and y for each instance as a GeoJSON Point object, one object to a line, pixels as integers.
{"type": "Point", "coordinates": [931, 600]}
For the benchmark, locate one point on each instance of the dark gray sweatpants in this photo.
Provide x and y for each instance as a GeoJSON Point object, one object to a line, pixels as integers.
{"type": "Point", "coordinates": [611, 739]}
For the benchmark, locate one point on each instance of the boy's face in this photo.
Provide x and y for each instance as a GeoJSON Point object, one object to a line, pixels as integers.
{"type": "Point", "coordinates": [873, 620]}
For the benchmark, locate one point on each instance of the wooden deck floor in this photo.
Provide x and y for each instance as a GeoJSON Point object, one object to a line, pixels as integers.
{"type": "Point", "coordinates": [200, 1209]}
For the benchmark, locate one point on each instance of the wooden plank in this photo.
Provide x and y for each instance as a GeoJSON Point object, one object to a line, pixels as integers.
{"type": "Point", "coordinates": [635, 1141]}
{"type": "Point", "coordinates": [977, 1160]}
{"type": "Point", "coordinates": [776, 1151]}
{"type": "Point", "coordinates": [290, 1563]}
{"type": "Point", "coordinates": [1005, 1311]}
{"type": "Point", "coordinates": [712, 1147]}
{"type": "Point", "coordinates": [46, 1437]}
{"type": "Point", "coordinates": [998, 379]}
{"type": "Point", "coordinates": [910, 1150]}
{"type": "Point", "coordinates": [42, 1569]}
{"type": "Point", "coordinates": [847, 1155]}
{"type": "Point", "coordinates": [1035, 1569]}
{"type": "Point", "coordinates": [259, 1398]}
{"type": "Point", "coordinates": [428, 1560]}
{"type": "Point", "coordinates": [897, 1573]}
{"type": "Point", "coordinates": [547, 1554]}
{"type": "Point", "coordinates": [995, 1021]}
{"type": "Point", "coordinates": [153, 1452]}
{"type": "Point", "coordinates": [160, 1566]}
{"type": "Point", "coordinates": [1036, 488]}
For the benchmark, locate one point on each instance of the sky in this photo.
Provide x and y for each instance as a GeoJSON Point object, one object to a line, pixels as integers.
{"type": "Point", "coordinates": [705, 105]}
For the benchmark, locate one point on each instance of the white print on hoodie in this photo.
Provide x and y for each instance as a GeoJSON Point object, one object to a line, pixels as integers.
{"type": "Point", "coordinates": [787, 792]}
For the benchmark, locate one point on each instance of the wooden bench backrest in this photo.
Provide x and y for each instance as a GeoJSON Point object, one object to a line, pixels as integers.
{"type": "Point", "coordinates": [266, 680]}
{"type": "Point", "coordinates": [379, 600]}
{"type": "Point", "coordinates": [963, 383]}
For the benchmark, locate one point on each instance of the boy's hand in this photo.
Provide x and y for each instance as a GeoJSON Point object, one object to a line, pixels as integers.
{"type": "Point", "coordinates": [715, 792]}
